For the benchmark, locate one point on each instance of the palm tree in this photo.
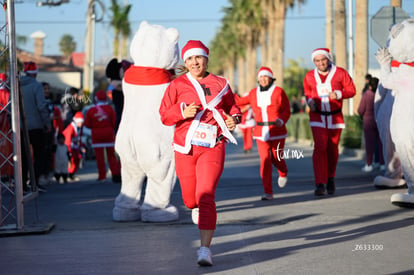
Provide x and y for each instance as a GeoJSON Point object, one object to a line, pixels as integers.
{"type": "Point", "coordinates": [361, 43]}
{"type": "Point", "coordinates": [67, 45]}
{"type": "Point", "coordinates": [276, 16]}
{"type": "Point", "coordinates": [121, 25]}
{"type": "Point", "coordinates": [340, 34]}
{"type": "Point", "coordinates": [328, 23]}
{"type": "Point", "coordinates": [340, 41]}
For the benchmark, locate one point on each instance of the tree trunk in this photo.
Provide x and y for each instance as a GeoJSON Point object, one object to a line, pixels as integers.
{"type": "Point", "coordinates": [340, 42]}
{"type": "Point", "coordinates": [329, 23]}
{"type": "Point", "coordinates": [229, 74]}
{"type": "Point", "coordinates": [361, 49]}
{"type": "Point", "coordinates": [340, 34]}
{"type": "Point", "coordinates": [251, 57]}
{"type": "Point", "coordinates": [241, 75]}
{"type": "Point", "coordinates": [279, 43]}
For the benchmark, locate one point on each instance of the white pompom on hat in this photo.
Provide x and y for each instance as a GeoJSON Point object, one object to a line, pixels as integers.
{"type": "Point", "coordinates": [194, 47]}
{"type": "Point", "coordinates": [321, 51]}
{"type": "Point", "coordinates": [78, 117]}
{"type": "Point", "coordinates": [265, 71]}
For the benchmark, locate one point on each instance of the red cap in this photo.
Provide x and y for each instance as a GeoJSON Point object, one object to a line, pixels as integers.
{"type": "Point", "coordinates": [100, 95]}
{"type": "Point", "coordinates": [194, 47]}
{"type": "Point", "coordinates": [30, 67]}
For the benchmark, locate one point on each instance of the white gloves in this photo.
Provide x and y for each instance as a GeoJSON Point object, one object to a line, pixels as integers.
{"type": "Point", "coordinates": [383, 56]}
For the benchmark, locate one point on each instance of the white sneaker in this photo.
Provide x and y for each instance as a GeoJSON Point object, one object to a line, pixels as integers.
{"type": "Point", "coordinates": [281, 181]}
{"type": "Point", "coordinates": [367, 168]}
{"type": "Point", "coordinates": [204, 256]}
{"type": "Point", "coordinates": [194, 215]}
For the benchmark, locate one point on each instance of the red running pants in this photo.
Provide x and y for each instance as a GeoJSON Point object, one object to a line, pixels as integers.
{"type": "Point", "coordinates": [325, 153]}
{"type": "Point", "coordinates": [198, 173]}
{"type": "Point", "coordinates": [271, 152]}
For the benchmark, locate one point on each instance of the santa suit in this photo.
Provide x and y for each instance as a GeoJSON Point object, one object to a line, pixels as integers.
{"type": "Point", "coordinates": [327, 121]}
{"type": "Point", "coordinates": [268, 106]}
{"type": "Point", "coordinates": [73, 141]}
{"type": "Point", "coordinates": [246, 126]}
{"type": "Point", "coordinates": [199, 168]}
{"type": "Point", "coordinates": [101, 120]}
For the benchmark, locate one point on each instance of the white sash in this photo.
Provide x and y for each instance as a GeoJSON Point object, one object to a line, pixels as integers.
{"type": "Point", "coordinates": [325, 105]}
{"type": "Point", "coordinates": [210, 106]}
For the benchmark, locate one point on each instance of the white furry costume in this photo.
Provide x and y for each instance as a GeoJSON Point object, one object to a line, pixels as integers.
{"type": "Point", "coordinates": [143, 143]}
{"type": "Point", "coordinates": [384, 101]}
{"type": "Point", "coordinates": [400, 55]}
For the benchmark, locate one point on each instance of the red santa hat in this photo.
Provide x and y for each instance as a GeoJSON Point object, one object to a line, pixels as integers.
{"type": "Point", "coordinates": [100, 95]}
{"type": "Point", "coordinates": [30, 67]}
{"type": "Point", "coordinates": [78, 117]}
{"type": "Point", "coordinates": [194, 47]}
{"type": "Point", "coordinates": [265, 71]}
{"type": "Point", "coordinates": [321, 51]}
{"type": "Point", "coordinates": [3, 77]}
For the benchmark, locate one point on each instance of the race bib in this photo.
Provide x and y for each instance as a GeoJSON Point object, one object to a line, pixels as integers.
{"type": "Point", "coordinates": [205, 135]}
{"type": "Point", "coordinates": [324, 89]}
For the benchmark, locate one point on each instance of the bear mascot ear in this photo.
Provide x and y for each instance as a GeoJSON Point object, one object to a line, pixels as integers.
{"type": "Point", "coordinates": [112, 69]}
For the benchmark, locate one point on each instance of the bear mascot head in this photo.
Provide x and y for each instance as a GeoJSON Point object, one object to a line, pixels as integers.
{"type": "Point", "coordinates": [143, 143]}
{"type": "Point", "coordinates": [397, 70]}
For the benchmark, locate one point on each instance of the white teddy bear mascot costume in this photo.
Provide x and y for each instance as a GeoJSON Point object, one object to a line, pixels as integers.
{"type": "Point", "coordinates": [400, 57]}
{"type": "Point", "coordinates": [143, 143]}
{"type": "Point", "coordinates": [392, 178]}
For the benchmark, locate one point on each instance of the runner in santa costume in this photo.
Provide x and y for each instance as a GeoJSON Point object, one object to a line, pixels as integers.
{"type": "Point", "coordinates": [271, 110]}
{"type": "Point", "coordinates": [202, 108]}
{"type": "Point", "coordinates": [325, 88]}
{"type": "Point", "coordinates": [101, 119]}
{"type": "Point", "coordinates": [246, 126]}
{"type": "Point", "coordinates": [73, 134]}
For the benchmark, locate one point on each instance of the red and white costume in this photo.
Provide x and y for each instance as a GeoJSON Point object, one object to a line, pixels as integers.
{"type": "Point", "coordinates": [73, 141]}
{"type": "Point", "coordinates": [101, 120]}
{"type": "Point", "coordinates": [246, 126]}
{"type": "Point", "coordinates": [199, 168]}
{"type": "Point", "coordinates": [268, 106]}
{"type": "Point", "coordinates": [142, 142]}
{"type": "Point", "coordinates": [327, 121]}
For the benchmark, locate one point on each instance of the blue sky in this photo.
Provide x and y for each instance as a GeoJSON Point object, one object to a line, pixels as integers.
{"type": "Point", "coordinates": [305, 26]}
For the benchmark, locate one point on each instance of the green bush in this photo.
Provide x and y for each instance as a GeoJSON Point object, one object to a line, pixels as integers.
{"type": "Point", "coordinates": [299, 129]}
{"type": "Point", "coordinates": [351, 135]}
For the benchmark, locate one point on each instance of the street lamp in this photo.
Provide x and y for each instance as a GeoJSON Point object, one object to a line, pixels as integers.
{"type": "Point", "coordinates": [51, 3]}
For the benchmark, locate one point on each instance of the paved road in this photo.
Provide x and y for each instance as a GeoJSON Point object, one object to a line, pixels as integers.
{"type": "Point", "coordinates": [356, 231]}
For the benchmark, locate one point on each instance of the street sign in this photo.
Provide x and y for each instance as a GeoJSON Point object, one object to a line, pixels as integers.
{"type": "Point", "coordinates": [382, 22]}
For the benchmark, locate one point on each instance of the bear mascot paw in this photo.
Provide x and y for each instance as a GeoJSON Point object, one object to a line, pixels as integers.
{"type": "Point", "coordinates": [397, 70]}
{"type": "Point", "coordinates": [143, 143]}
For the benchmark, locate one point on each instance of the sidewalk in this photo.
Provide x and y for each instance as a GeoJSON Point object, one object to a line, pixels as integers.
{"type": "Point", "coordinates": [356, 231]}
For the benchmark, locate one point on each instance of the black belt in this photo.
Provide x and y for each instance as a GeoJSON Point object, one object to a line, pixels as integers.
{"type": "Point", "coordinates": [220, 137]}
{"type": "Point", "coordinates": [328, 113]}
{"type": "Point", "coordinates": [266, 123]}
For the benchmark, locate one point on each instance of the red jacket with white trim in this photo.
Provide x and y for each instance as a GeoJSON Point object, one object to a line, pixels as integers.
{"type": "Point", "coordinates": [267, 107]}
{"type": "Point", "coordinates": [341, 83]}
{"type": "Point", "coordinates": [181, 93]}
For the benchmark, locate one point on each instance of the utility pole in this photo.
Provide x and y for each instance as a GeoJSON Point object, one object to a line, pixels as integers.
{"type": "Point", "coordinates": [350, 52]}
{"type": "Point", "coordinates": [88, 66]}
{"type": "Point", "coordinates": [89, 62]}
